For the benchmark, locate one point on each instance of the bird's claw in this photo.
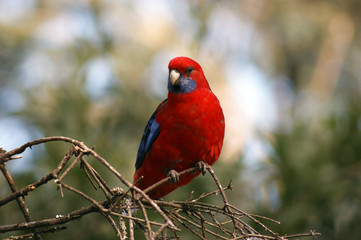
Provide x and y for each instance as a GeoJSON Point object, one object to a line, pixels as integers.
{"type": "Point", "coordinates": [174, 176]}
{"type": "Point", "coordinates": [202, 166]}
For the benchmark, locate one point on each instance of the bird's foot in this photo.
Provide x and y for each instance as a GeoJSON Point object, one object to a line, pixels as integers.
{"type": "Point", "coordinates": [174, 176]}
{"type": "Point", "coordinates": [202, 166]}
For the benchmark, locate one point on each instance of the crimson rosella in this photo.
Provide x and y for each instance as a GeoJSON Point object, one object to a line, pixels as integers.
{"type": "Point", "coordinates": [186, 130]}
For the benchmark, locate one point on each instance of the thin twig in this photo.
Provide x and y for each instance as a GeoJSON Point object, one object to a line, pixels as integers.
{"type": "Point", "coordinates": [97, 204]}
{"type": "Point", "coordinates": [25, 190]}
{"type": "Point", "coordinates": [60, 219]}
{"type": "Point", "coordinates": [114, 225]}
{"type": "Point", "coordinates": [20, 200]}
{"type": "Point", "coordinates": [31, 235]}
{"type": "Point", "coordinates": [72, 165]}
{"type": "Point", "coordinates": [164, 180]}
{"type": "Point", "coordinates": [149, 233]}
{"type": "Point", "coordinates": [197, 217]}
{"type": "Point", "coordinates": [311, 233]}
{"type": "Point", "coordinates": [131, 225]}
{"type": "Point", "coordinates": [100, 181]}
{"type": "Point", "coordinates": [225, 200]}
{"type": "Point", "coordinates": [160, 230]}
{"type": "Point", "coordinates": [127, 183]}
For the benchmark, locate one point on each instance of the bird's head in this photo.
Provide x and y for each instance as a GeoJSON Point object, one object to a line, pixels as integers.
{"type": "Point", "coordinates": [185, 76]}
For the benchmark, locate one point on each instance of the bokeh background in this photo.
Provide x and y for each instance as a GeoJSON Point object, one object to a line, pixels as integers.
{"type": "Point", "coordinates": [287, 73]}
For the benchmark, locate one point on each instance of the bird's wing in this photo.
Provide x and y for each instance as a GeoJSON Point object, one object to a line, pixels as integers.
{"type": "Point", "coordinates": [151, 133]}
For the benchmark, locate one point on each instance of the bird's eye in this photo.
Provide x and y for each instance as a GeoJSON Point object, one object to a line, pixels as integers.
{"type": "Point", "coordinates": [189, 70]}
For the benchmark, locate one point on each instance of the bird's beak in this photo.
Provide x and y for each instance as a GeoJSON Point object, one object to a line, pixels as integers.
{"type": "Point", "coordinates": [174, 76]}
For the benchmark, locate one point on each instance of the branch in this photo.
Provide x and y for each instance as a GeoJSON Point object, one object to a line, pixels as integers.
{"type": "Point", "coordinates": [59, 219]}
{"type": "Point", "coordinates": [20, 200]}
{"type": "Point", "coordinates": [200, 218]}
{"type": "Point", "coordinates": [24, 191]}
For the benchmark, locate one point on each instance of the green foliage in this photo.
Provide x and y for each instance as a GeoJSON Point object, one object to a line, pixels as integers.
{"type": "Point", "coordinates": [311, 174]}
{"type": "Point", "coordinates": [318, 173]}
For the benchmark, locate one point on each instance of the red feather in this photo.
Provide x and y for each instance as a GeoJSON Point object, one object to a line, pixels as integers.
{"type": "Point", "coordinates": [191, 129]}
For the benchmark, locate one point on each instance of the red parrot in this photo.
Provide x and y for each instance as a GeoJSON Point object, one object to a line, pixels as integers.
{"type": "Point", "coordinates": [186, 130]}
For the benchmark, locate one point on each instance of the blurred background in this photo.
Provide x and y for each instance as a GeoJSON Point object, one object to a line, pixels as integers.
{"type": "Point", "coordinates": [287, 74]}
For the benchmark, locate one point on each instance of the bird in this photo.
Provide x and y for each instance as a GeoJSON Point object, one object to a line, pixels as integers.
{"type": "Point", "coordinates": [186, 130]}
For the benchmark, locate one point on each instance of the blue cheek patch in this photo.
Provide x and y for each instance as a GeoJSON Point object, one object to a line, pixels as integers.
{"type": "Point", "coordinates": [184, 85]}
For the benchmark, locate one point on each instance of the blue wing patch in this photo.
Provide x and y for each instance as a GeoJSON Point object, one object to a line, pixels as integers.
{"type": "Point", "coordinates": [151, 133]}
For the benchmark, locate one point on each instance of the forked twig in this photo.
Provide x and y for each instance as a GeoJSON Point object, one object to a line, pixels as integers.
{"type": "Point", "coordinates": [195, 215]}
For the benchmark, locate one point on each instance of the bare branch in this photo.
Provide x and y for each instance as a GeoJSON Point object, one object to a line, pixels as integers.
{"type": "Point", "coordinates": [202, 219]}
{"type": "Point", "coordinates": [20, 200]}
